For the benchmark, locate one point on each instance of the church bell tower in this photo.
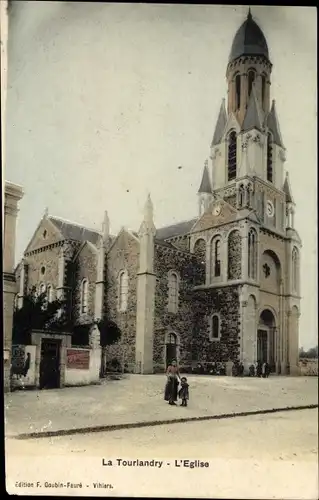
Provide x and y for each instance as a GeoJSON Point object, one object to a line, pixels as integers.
{"type": "Point", "coordinates": [247, 172]}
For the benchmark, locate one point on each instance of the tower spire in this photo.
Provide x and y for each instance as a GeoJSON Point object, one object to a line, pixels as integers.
{"type": "Point", "coordinates": [249, 16]}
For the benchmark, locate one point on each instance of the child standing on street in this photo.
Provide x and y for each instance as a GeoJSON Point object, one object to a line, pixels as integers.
{"type": "Point", "coordinates": [184, 391]}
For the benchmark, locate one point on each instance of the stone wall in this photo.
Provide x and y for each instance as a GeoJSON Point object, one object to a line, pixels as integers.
{"type": "Point", "coordinates": [234, 255]}
{"type": "Point", "coordinates": [224, 301]}
{"type": "Point", "coordinates": [124, 254]}
{"type": "Point", "coordinates": [84, 267]}
{"type": "Point", "coordinates": [190, 273]}
{"type": "Point", "coordinates": [47, 258]}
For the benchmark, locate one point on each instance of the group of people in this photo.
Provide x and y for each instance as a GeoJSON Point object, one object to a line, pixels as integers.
{"type": "Point", "coordinates": [176, 387]}
{"type": "Point", "coordinates": [260, 370]}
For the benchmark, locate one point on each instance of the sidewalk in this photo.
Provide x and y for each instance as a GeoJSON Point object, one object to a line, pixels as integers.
{"type": "Point", "coordinates": [138, 400]}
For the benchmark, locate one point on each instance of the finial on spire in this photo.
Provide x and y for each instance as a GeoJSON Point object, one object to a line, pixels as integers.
{"type": "Point", "coordinates": [206, 163]}
{"type": "Point", "coordinates": [249, 16]}
{"type": "Point", "coordinates": [46, 212]}
{"type": "Point", "coordinates": [106, 225]}
{"type": "Point", "coordinates": [148, 209]}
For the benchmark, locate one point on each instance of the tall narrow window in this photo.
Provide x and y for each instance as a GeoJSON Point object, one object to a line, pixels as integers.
{"type": "Point", "coordinates": [172, 292]}
{"type": "Point", "coordinates": [295, 265]}
{"type": "Point", "coordinates": [215, 258]}
{"type": "Point", "coordinates": [84, 296]}
{"type": "Point", "coordinates": [214, 333]}
{"type": "Point", "coordinates": [252, 254]}
{"type": "Point", "coordinates": [263, 92]}
{"type": "Point", "coordinates": [232, 156]}
{"type": "Point", "coordinates": [123, 290]}
{"type": "Point", "coordinates": [251, 79]}
{"type": "Point", "coordinates": [237, 88]}
{"type": "Point", "coordinates": [269, 158]}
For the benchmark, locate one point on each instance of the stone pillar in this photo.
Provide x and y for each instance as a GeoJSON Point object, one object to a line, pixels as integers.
{"type": "Point", "coordinates": [22, 284]}
{"type": "Point", "coordinates": [244, 251]}
{"type": "Point", "coordinates": [63, 289]}
{"type": "Point", "coordinates": [12, 195]}
{"type": "Point", "coordinates": [283, 332]}
{"type": "Point", "coordinates": [61, 275]}
{"type": "Point", "coordinates": [146, 283]}
{"type": "Point", "coordinates": [293, 333]}
{"type": "Point", "coordinates": [100, 273]}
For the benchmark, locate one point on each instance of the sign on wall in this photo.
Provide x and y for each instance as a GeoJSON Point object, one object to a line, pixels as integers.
{"type": "Point", "coordinates": [78, 359]}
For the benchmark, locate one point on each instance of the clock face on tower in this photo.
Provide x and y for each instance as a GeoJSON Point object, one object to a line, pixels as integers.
{"type": "Point", "coordinates": [270, 209]}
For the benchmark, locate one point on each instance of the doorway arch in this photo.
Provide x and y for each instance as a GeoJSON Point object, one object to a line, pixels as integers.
{"type": "Point", "coordinates": [266, 338]}
{"type": "Point", "coordinates": [171, 347]}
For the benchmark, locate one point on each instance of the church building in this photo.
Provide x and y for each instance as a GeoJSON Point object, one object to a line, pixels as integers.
{"type": "Point", "coordinates": [220, 287]}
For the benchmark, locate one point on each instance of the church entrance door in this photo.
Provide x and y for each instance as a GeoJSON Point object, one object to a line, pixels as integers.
{"type": "Point", "coordinates": [267, 340]}
{"type": "Point", "coordinates": [171, 348]}
{"type": "Point", "coordinates": [262, 346]}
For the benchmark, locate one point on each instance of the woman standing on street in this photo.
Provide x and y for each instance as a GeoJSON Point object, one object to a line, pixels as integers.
{"type": "Point", "coordinates": [171, 387]}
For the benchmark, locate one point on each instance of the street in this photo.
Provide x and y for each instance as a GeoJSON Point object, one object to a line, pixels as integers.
{"type": "Point", "coordinates": [261, 456]}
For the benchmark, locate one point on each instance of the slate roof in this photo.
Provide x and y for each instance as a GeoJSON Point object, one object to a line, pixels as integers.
{"type": "Point", "coordinates": [220, 124]}
{"type": "Point", "coordinates": [253, 116]}
{"type": "Point", "coordinates": [273, 125]}
{"type": "Point", "coordinates": [249, 41]}
{"type": "Point", "coordinates": [74, 231]}
{"type": "Point", "coordinates": [178, 229]}
{"type": "Point", "coordinates": [205, 186]}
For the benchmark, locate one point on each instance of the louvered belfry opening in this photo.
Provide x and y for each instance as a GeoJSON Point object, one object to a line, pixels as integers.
{"type": "Point", "coordinates": [232, 156]}
{"type": "Point", "coordinates": [269, 158]}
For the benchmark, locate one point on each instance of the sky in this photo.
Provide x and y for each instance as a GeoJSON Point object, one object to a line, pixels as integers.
{"type": "Point", "coordinates": [106, 101]}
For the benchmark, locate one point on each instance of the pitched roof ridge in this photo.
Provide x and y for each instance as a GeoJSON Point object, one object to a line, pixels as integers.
{"type": "Point", "coordinates": [66, 221]}
{"type": "Point", "coordinates": [176, 223]}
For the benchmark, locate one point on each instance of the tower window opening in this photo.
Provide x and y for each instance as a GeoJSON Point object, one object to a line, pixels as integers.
{"type": "Point", "coordinates": [237, 87]}
{"type": "Point", "coordinates": [263, 91]}
{"type": "Point", "coordinates": [232, 156]}
{"type": "Point", "coordinates": [269, 159]}
{"type": "Point", "coordinates": [251, 79]}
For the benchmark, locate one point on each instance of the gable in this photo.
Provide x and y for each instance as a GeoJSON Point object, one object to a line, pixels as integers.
{"type": "Point", "coordinates": [213, 218]}
{"type": "Point", "coordinates": [45, 234]}
{"type": "Point", "coordinates": [232, 123]}
{"type": "Point", "coordinates": [87, 249]}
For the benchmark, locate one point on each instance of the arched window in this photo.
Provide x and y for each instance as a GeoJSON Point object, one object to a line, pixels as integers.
{"type": "Point", "coordinates": [214, 327]}
{"type": "Point", "coordinates": [237, 89]}
{"type": "Point", "coordinates": [295, 269]}
{"type": "Point", "coordinates": [269, 158]}
{"type": "Point", "coordinates": [252, 254]}
{"type": "Point", "coordinates": [232, 156]}
{"type": "Point", "coordinates": [263, 91]}
{"type": "Point", "coordinates": [251, 79]}
{"type": "Point", "coordinates": [84, 296]}
{"type": "Point", "coordinates": [42, 289]}
{"type": "Point", "coordinates": [172, 292]}
{"type": "Point", "coordinates": [123, 290]}
{"type": "Point", "coordinates": [215, 258]}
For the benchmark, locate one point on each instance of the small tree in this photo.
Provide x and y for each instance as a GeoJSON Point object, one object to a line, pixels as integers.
{"type": "Point", "coordinates": [109, 335]}
{"type": "Point", "coordinates": [36, 313]}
